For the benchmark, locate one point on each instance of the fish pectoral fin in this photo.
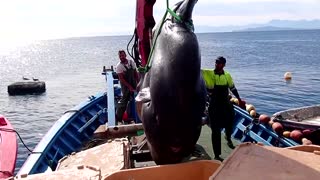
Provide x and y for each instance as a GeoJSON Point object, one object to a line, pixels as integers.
{"type": "Point", "coordinates": [143, 95]}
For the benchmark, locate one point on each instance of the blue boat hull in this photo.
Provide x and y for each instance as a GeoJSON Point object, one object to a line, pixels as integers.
{"type": "Point", "coordinates": [78, 125]}
{"type": "Point", "coordinates": [248, 129]}
{"type": "Point", "coordinates": [64, 136]}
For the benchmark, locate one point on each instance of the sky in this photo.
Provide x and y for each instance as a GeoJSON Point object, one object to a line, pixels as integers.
{"type": "Point", "coordinates": [49, 19]}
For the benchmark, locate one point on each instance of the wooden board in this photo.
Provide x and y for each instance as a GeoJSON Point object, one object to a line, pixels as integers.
{"type": "Point", "coordinates": [250, 161]}
{"type": "Point", "coordinates": [79, 172]}
{"type": "Point", "coordinates": [109, 157]}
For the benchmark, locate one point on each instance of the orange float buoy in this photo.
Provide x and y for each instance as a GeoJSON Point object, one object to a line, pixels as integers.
{"type": "Point", "coordinates": [296, 135]}
{"type": "Point", "coordinates": [263, 118]}
{"type": "Point", "coordinates": [288, 76]}
{"type": "Point", "coordinates": [277, 127]}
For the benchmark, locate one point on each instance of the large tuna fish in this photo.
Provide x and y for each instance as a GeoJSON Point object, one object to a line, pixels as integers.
{"type": "Point", "coordinates": [172, 95]}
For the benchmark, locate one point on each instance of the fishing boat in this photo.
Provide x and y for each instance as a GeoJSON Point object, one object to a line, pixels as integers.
{"type": "Point", "coordinates": [8, 148]}
{"type": "Point", "coordinates": [307, 117]}
{"type": "Point", "coordinates": [78, 127]}
{"type": "Point", "coordinates": [304, 120]}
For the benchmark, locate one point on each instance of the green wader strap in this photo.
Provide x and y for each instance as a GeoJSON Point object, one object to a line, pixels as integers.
{"type": "Point", "coordinates": [140, 132]}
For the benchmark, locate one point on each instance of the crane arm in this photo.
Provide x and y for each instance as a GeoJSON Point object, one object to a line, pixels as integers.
{"type": "Point", "coordinates": [144, 24]}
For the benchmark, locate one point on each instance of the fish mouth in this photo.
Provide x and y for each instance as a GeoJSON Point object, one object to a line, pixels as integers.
{"type": "Point", "coordinates": [175, 149]}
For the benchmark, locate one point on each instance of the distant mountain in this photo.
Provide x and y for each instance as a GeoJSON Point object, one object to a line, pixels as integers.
{"type": "Point", "coordinates": [273, 25]}
{"type": "Point", "coordinates": [267, 28]}
{"type": "Point", "coordinates": [301, 24]}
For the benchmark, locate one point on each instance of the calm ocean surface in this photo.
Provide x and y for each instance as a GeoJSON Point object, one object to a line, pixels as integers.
{"type": "Point", "coordinates": [72, 68]}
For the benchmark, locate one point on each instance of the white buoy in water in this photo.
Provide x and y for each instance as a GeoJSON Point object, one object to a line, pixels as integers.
{"type": "Point", "coordinates": [288, 76]}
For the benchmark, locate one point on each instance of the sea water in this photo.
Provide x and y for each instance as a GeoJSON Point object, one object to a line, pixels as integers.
{"type": "Point", "coordinates": [72, 69]}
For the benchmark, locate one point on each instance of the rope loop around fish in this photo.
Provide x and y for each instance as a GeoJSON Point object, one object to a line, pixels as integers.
{"type": "Point", "coordinates": [178, 18]}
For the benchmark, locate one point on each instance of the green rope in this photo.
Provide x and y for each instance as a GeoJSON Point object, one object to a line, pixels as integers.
{"type": "Point", "coordinates": [179, 19]}
{"type": "Point", "coordinates": [148, 65]}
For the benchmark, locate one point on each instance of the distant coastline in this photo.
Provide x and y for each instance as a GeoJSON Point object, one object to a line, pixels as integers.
{"type": "Point", "coordinates": [273, 25]}
{"type": "Point", "coordinates": [258, 30]}
{"type": "Point", "coordinates": [272, 28]}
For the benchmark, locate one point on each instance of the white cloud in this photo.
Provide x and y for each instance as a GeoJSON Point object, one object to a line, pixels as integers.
{"type": "Point", "coordinates": [251, 1]}
{"type": "Point", "coordinates": [31, 19]}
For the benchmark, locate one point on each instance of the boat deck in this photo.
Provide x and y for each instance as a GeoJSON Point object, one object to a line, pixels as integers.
{"type": "Point", "coordinates": [107, 156]}
{"type": "Point", "coordinates": [203, 151]}
{"type": "Point", "coordinates": [203, 148]}
{"type": "Point", "coordinates": [204, 142]}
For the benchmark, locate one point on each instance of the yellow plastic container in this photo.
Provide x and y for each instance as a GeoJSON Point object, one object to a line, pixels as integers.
{"type": "Point", "coordinates": [200, 169]}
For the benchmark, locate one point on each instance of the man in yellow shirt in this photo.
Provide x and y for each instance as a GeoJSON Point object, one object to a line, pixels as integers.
{"type": "Point", "coordinates": [221, 112]}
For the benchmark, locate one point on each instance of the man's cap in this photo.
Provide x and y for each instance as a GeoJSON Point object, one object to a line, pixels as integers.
{"type": "Point", "coordinates": [221, 60]}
